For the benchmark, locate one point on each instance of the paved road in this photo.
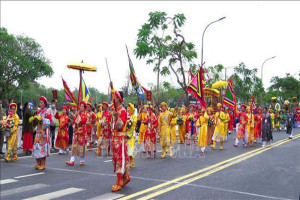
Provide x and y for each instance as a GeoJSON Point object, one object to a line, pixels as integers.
{"type": "Point", "coordinates": [233, 173]}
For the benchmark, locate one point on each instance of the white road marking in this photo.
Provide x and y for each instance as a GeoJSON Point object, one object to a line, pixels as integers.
{"type": "Point", "coordinates": [35, 174]}
{"type": "Point", "coordinates": [107, 161]}
{"type": "Point", "coordinates": [4, 181]}
{"type": "Point", "coordinates": [21, 189]}
{"type": "Point", "coordinates": [57, 194]}
{"type": "Point", "coordinates": [107, 196]}
{"type": "Point", "coordinates": [239, 192]}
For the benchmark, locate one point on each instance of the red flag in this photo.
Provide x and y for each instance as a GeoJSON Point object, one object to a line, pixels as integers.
{"type": "Point", "coordinates": [196, 87]}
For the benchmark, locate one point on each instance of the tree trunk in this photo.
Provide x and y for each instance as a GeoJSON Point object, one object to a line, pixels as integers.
{"type": "Point", "coordinates": [158, 73]}
{"type": "Point", "coordinates": [186, 98]}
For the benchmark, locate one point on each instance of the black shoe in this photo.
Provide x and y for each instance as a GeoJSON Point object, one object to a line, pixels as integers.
{"type": "Point", "coordinates": [2, 153]}
{"type": "Point", "coordinates": [290, 138]}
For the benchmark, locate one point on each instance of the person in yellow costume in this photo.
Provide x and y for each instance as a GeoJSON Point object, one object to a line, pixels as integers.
{"type": "Point", "coordinates": [219, 133]}
{"type": "Point", "coordinates": [250, 126]}
{"type": "Point", "coordinates": [202, 123]}
{"type": "Point", "coordinates": [164, 121]}
{"type": "Point", "coordinates": [11, 123]}
{"type": "Point", "coordinates": [181, 121]}
{"type": "Point", "coordinates": [142, 117]}
{"type": "Point", "coordinates": [272, 118]}
{"type": "Point", "coordinates": [99, 116]}
{"type": "Point", "coordinates": [130, 132]}
{"type": "Point", "coordinates": [226, 122]}
{"type": "Point", "coordinates": [173, 126]}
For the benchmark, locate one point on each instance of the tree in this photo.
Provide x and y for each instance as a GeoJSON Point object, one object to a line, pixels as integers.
{"type": "Point", "coordinates": [245, 83]}
{"type": "Point", "coordinates": [214, 73]}
{"type": "Point", "coordinates": [284, 88]}
{"type": "Point", "coordinates": [22, 61]}
{"type": "Point", "coordinates": [161, 38]}
{"type": "Point", "coordinates": [151, 42]}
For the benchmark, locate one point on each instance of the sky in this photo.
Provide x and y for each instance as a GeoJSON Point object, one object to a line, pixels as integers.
{"type": "Point", "coordinates": [71, 31]}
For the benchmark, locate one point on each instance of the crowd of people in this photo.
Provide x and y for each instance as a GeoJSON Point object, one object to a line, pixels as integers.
{"type": "Point", "coordinates": [114, 130]}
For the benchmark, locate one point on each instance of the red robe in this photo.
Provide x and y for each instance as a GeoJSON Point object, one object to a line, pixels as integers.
{"type": "Point", "coordinates": [231, 121]}
{"type": "Point", "coordinates": [62, 139]}
{"type": "Point", "coordinates": [189, 124]}
{"type": "Point", "coordinates": [91, 120]}
{"type": "Point", "coordinates": [80, 135]}
{"type": "Point", "coordinates": [120, 156]}
{"type": "Point", "coordinates": [105, 123]}
{"type": "Point", "coordinates": [150, 134]}
{"type": "Point", "coordinates": [257, 127]}
{"type": "Point", "coordinates": [243, 119]}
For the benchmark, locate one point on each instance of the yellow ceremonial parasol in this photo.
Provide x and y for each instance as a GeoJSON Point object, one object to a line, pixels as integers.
{"type": "Point", "coordinates": [219, 84]}
{"type": "Point", "coordinates": [82, 66]}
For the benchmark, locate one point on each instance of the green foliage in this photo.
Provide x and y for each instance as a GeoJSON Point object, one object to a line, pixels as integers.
{"type": "Point", "coordinates": [22, 61]}
{"type": "Point", "coordinates": [284, 88]}
{"type": "Point", "coordinates": [215, 73]}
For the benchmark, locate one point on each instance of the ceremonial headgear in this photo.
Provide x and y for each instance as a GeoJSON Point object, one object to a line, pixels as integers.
{"type": "Point", "coordinates": [118, 95]}
{"type": "Point", "coordinates": [13, 105]}
{"type": "Point", "coordinates": [83, 103]}
{"type": "Point", "coordinates": [89, 104]}
{"type": "Point", "coordinates": [105, 103]}
{"type": "Point", "coordinates": [42, 98]}
{"type": "Point", "coordinates": [163, 104]}
{"type": "Point", "coordinates": [66, 108]}
{"type": "Point", "coordinates": [243, 105]}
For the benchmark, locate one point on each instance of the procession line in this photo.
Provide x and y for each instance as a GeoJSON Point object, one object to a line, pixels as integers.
{"type": "Point", "coordinates": [150, 196]}
{"type": "Point", "coordinates": [194, 173]}
{"type": "Point", "coordinates": [238, 192]}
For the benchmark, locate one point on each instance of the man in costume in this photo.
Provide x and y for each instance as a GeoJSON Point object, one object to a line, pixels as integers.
{"type": "Point", "coordinates": [11, 123]}
{"type": "Point", "coordinates": [80, 135]}
{"type": "Point", "coordinates": [62, 139]}
{"type": "Point", "coordinates": [142, 116]}
{"type": "Point", "coordinates": [242, 121]}
{"type": "Point", "coordinates": [120, 156]}
{"type": "Point", "coordinates": [192, 118]}
{"type": "Point", "coordinates": [250, 126]}
{"type": "Point", "coordinates": [91, 121]}
{"type": "Point", "coordinates": [231, 122]}
{"type": "Point", "coordinates": [52, 111]}
{"type": "Point", "coordinates": [104, 141]}
{"type": "Point", "coordinates": [27, 129]}
{"type": "Point", "coordinates": [99, 116]}
{"type": "Point", "coordinates": [173, 127]}
{"type": "Point", "coordinates": [150, 134]}
{"type": "Point", "coordinates": [266, 128]}
{"type": "Point", "coordinates": [130, 132]}
{"type": "Point", "coordinates": [272, 115]}
{"type": "Point", "coordinates": [257, 125]}
{"type": "Point", "coordinates": [164, 121]}
{"type": "Point", "coordinates": [181, 120]}
{"type": "Point", "coordinates": [219, 133]}
{"type": "Point", "coordinates": [226, 121]}
{"type": "Point", "coordinates": [202, 123]}
{"type": "Point", "coordinates": [41, 146]}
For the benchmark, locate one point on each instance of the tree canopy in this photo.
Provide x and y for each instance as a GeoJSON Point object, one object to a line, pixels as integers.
{"type": "Point", "coordinates": [22, 61]}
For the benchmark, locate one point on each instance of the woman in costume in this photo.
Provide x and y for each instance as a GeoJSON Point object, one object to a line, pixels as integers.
{"type": "Point", "coordinates": [130, 132]}
{"type": "Point", "coordinates": [150, 134]}
{"type": "Point", "coordinates": [27, 129]}
{"type": "Point", "coordinates": [266, 128]}
{"type": "Point", "coordinates": [62, 139]}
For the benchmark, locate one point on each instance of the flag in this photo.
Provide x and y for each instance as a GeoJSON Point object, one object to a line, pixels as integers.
{"type": "Point", "coordinates": [229, 98]}
{"type": "Point", "coordinates": [196, 87]}
{"type": "Point", "coordinates": [134, 82]}
{"type": "Point", "coordinates": [69, 95]}
{"type": "Point", "coordinates": [84, 93]}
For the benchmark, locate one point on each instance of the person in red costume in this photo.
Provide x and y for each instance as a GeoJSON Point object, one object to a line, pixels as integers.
{"type": "Point", "coordinates": [120, 156]}
{"type": "Point", "coordinates": [62, 139]}
{"type": "Point", "coordinates": [91, 121]}
{"type": "Point", "coordinates": [80, 136]}
{"type": "Point", "coordinates": [257, 127]}
{"type": "Point", "coordinates": [105, 136]}
{"type": "Point", "coordinates": [242, 118]}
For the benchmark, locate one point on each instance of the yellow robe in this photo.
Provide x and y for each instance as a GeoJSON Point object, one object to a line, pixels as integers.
{"type": "Point", "coordinates": [143, 127]}
{"type": "Point", "coordinates": [219, 133]}
{"type": "Point", "coordinates": [182, 129]}
{"type": "Point", "coordinates": [250, 127]}
{"type": "Point", "coordinates": [99, 116]}
{"type": "Point", "coordinates": [12, 140]}
{"type": "Point", "coordinates": [164, 120]}
{"type": "Point", "coordinates": [173, 130]}
{"type": "Point", "coordinates": [202, 122]}
{"type": "Point", "coordinates": [273, 120]}
{"type": "Point", "coordinates": [130, 133]}
{"type": "Point", "coordinates": [226, 123]}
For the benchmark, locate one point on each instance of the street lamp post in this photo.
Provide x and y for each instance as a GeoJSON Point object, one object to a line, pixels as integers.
{"type": "Point", "coordinates": [203, 37]}
{"type": "Point", "coordinates": [262, 82]}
